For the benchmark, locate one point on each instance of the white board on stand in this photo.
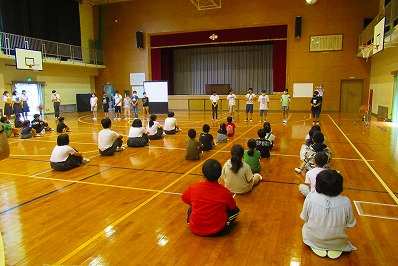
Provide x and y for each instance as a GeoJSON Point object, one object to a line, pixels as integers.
{"type": "Point", "coordinates": [303, 89]}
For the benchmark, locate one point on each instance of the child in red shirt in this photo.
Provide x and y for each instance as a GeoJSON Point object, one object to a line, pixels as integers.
{"type": "Point", "coordinates": [212, 207]}
{"type": "Point", "coordinates": [230, 126]}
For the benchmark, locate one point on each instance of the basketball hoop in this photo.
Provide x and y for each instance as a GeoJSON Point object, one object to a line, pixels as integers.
{"type": "Point", "coordinates": [33, 67]}
{"type": "Point", "coordinates": [366, 49]}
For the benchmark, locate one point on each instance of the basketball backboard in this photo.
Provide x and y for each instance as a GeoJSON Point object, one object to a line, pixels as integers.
{"type": "Point", "coordinates": [28, 59]}
{"type": "Point", "coordinates": [378, 36]}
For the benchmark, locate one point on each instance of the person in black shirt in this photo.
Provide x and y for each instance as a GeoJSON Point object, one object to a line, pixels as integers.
{"type": "Point", "coordinates": [145, 105]}
{"type": "Point", "coordinates": [316, 103]}
{"type": "Point", "coordinates": [206, 138]}
{"type": "Point", "coordinates": [39, 125]}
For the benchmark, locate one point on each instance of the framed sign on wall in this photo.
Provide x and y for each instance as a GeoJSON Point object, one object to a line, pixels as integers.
{"type": "Point", "coordinates": [323, 43]}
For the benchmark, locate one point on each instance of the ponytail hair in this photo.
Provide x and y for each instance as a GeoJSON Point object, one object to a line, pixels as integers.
{"type": "Point", "coordinates": [251, 143]}
{"type": "Point", "coordinates": [152, 119]}
{"type": "Point", "coordinates": [237, 153]}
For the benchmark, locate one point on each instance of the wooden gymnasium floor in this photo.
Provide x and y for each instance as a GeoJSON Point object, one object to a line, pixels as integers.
{"type": "Point", "coordinates": [127, 209]}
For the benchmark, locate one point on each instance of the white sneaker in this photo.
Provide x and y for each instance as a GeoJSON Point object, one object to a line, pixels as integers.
{"type": "Point", "coordinates": [251, 120]}
{"type": "Point", "coordinates": [298, 170]}
{"type": "Point", "coordinates": [319, 252]}
{"type": "Point", "coordinates": [86, 160]}
{"type": "Point", "coordinates": [120, 149]}
{"type": "Point", "coordinates": [245, 120]}
{"type": "Point", "coordinates": [334, 254]}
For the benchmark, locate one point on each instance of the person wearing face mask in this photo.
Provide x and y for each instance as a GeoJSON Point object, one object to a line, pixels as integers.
{"type": "Point", "coordinates": [316, 103]}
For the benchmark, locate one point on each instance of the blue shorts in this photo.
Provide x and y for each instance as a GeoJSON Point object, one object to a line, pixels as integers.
{"type": "Point", "coordinates": [285, 108]}
{"type": "Point", "coordinates": [249, 108]}
{"type": "Point", "coordinates": [316, 113]}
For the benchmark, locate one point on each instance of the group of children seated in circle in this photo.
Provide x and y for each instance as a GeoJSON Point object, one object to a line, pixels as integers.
{"type": "Point", "coordinates": [326, 213]}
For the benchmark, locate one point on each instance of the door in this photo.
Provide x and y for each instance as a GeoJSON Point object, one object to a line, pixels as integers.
{"type": "Point", "coordinates": [34, 93]}
{"type": "Point", "coordinates": [351, 95]}
{"type": "Point", "coordinates": [109, 90]}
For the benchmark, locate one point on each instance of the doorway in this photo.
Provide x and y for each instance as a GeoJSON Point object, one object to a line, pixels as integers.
{"type": "Point", "coordinates": [34, 93]}
{"type": "Point", "coordinates": [394, 113]}
{"type": "Point", "coordinates": [351, 95]}
{"type": "Point", "coordinates": [109, 90]}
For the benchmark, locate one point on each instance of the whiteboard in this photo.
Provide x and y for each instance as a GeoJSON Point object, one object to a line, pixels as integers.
{"type": "Point", "coordinates": [303, 89]}
{"type": "Point", "coordinates": [137, 79]}
{"type": "Point", "coordinates": [157, 91]}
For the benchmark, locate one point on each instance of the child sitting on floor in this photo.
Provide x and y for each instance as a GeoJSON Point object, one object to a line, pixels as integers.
{"type": "Point", "coordinates": [317, 146]}
{"type": "Point", "coordinates": [230, 127]}
{"type": "Point", "coordinates": [212, 208]}
{"type": "Point", "coordinates": [192, 147]}
{"type": "Point", "coordinates": [27, 131]}
{"type": "Point", "coordinates": [222, 134]}
{"type": "Point", "coordinates": [237, 175]}
{"type": "Point", "coordinates": [252, 156]}
{"type": "Point", "coordinates": [61, 127]}
{"type": "Point", "coordinates": [206, 138]}
{"type": "Point", "coordinates": [138, 136]}
{"type": "Point", "coordinates": [263, 144]}
{"type": "Point", "coordinates": [321, 159]}
{"type": "Point", "coordinates": [64, 157]}
{"type": "Point", "coordinates": [327, 216]}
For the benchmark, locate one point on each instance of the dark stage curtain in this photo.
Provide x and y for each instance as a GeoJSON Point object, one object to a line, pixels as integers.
{"type": "Point", "coordinates": [279, 65]}
{"type": "Point", "coordinates": [53, 20]}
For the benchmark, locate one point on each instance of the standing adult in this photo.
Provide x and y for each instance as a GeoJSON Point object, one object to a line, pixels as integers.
{"type": "Point", "coordinates": [214, 105]}
{"type": "Point", "coordinates": [56, 99]}
{"type": "Point", "coordinates": [25, 105]}
{"type": "Point", "coordinates": [250, 97]}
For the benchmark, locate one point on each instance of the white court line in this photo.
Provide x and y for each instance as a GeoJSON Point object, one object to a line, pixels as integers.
{"type": "Point", "coordinates": [362, 213]}
{"type": "Point", "coordinates": [367, 163]}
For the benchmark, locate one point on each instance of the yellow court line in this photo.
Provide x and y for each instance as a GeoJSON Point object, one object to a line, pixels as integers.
{"type": "Point", "coordinates": [96, 236]}
{"type": "Point", "coordinates": [2, 255]}
{"type": "Point", "coordinates": [367, 164]}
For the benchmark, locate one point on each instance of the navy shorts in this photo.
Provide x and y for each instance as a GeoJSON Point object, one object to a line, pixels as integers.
{"type": "Point", "coordinates": [249, 108]}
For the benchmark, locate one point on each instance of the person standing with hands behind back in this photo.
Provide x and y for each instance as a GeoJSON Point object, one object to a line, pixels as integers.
{"type": "Point", "coordinates": [56, 99]}
{"type": "Point", "coordinates": [285, 99]}
{"type": "Point", "coordinates": [145, 105]}
{"type": "Point", "coordinates": [214, 105]}
{"type": "Point", "coordinates": [316, 103]}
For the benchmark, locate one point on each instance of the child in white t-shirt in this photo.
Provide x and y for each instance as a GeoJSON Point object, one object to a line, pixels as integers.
{"type": "Point", "coordinates": [138, 136]}
{"type": "Point", "coordinates": [170, 124]}
{"type": "Point", "coordinates": [154, 128]}
{"type": "Point", "coordinates": [94, 105]}
{"type": "Point", "coordinates": [321, 159]}
{"type": "Point", "coordinates": [263, 99]}
{"type": "Point", "coordinates": [64, 157]}
{"type": "Point", "coordinates": [109, 141]}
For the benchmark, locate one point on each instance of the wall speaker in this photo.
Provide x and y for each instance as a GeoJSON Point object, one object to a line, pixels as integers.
{"type": "Point", "coordinates": [297, 32]}
{"type": "Point", "coordinates": [140, 39]}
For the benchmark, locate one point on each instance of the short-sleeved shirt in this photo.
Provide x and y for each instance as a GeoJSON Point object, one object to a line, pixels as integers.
{"type": "Point", "coordinates": [314, 101]}
{"type": "Point", "coordinates": [207, 141]}
{"type": "Point", "coordinates": [118, 100]}
{"type": "Point", "coordinates": [127, 102]}
{"type": "Point", "coordinates": [209, 203]}
{"type": "Point", "coordinates": [263, 145]}
{"type": "Point", "coordinates": [241, 182]}
{"type": "Point", "coordinates": [136, 132]}
{"type": "Point", "coordinates": [253, 161]}
{"type": "Point", "coordinates": [170, 123]}
{"type": "Point", "coordinates": [134, 100]}
{"type": "Point", "coordinates": [106, 138]}
{"type": "Point", "coordinates": [285, 99]}
{"type": "Point", "coordinates": [249, 98]}
{"type": "Point", "coordinates": [214, 98]}
{"type": "Point", "coordinates": [263, 100]}
{"type": "Point", "coordinates": [61, 153]}
{"type": "Point", "coordinates": [36, 124]}
{"type": "Point", "coordinates": [154, 128]}
{"type": "Point", "coordinates": [310, 177]}
{"type": "Point", "coordinates": [61, 126]}
{"type": "Point", "coordinates": [93, 101]}
{"type": "Point", "coordinates": [191, 149]}
{"type": "Point", "coordinates": [230, 129]}
{"type": "Point", "coordinates": [231, 99]}
{"type": "Point", "coordinates": [145, 102]}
